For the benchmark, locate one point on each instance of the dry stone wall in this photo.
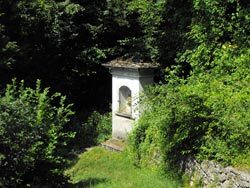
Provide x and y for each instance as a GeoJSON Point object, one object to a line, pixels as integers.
{"type": "Point", "coordinates": [214, 175]}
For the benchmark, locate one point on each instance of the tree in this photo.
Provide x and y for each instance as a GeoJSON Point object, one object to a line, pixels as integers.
{"type": "Point", "coordinates": [159, 29]}
{"type": "Point", "coordinates": [63, 43]}
{"type": "Point", "coordinates": [214, 25]}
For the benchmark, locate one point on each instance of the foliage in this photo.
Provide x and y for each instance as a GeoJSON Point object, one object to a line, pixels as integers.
{"type": "Point", "coordinates": [173, 126]}
{"type": "Point", "coordinates": [215, 25]}
{"type": "Point", "coordinates": [206, 114]}
{"type": "Point", "coordinates": [229, 100]}
{"type": "Point", "coordinates": [104, 127]}
{"type": "Point", "coordinates": [64, 42]}
{"type": "Point", "coordinates": [205, 42]}
{"type": "Point", "coordinates": [32, 136]}
{"type": "Point", "coordinates": [217, 49]}
{"type": "Point", "coordinates": [102, 168]}
{"type": "Point", "coordinates": [95, 130]}
{"type": "Point", "coordinates": [57, 40]}
{"type": "Point", "coordinates": [161, 27]}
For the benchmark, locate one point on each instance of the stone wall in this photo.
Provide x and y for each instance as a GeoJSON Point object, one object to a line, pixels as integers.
{"type": "Point", "coordinates": [214, 175]}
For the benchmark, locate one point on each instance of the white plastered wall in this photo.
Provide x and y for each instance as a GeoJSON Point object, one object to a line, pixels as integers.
{"type": "Point", "coordinates": [122, 125]}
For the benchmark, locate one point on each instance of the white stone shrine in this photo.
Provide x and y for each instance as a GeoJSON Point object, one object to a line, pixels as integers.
{"type": "Point", "coordinates": [129, 78]}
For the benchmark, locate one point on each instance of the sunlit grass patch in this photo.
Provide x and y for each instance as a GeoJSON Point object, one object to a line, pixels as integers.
{"type": "Point", "coordinates": [100, 168]}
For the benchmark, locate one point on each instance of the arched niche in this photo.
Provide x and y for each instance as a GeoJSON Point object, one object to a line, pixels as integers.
{"type": "Point", "coordinates": [125, 101]}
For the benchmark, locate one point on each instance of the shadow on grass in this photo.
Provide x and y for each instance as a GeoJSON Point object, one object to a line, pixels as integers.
{"type": "Point", "coordinates": [90, 182]}
{"type": "Point", "coordinates": [73, 157]}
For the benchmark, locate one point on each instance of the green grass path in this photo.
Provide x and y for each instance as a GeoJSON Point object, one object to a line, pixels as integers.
{"type": "Point", "coordinates": [100, 168]}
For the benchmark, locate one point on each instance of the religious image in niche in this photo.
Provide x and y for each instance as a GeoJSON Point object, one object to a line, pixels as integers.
{"type": "Point", "coordinates": [125, 100]}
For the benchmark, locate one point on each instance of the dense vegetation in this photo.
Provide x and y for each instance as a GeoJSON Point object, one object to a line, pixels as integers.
{"type": "Point", "coordinates": [200, 107]}
{"type": "Point", "coordinates": [206, 114]}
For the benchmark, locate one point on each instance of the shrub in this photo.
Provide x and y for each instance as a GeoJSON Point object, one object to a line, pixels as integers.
{"type": "Point", "coordinates": [32, 136]}
{"type": "Point", "coordinates": [206, 115]}
{"type": "Point", "coordinates": [173, 126]}
{"type": "Point", "coordinates": [95, 130]}
{"type": "Point", "coordinates": [227, 92]}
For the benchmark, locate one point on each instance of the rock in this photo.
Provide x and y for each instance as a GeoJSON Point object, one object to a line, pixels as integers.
{"type": "Point", "coordinates": [214, 175]}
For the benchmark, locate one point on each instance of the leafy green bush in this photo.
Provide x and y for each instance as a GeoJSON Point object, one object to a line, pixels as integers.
{"type": "Point", "coordinates": [173, 126]}
{"type": "Point", "coordinates": [96, 129]}
{"type": "Point", "coordinates": [227, 90]}
{"type": "Point", "coordinates": [206, 115]}
{"type": "Point", "coordinates": [104, 127]}
{"type": "Point", "coordinates": [32, 137]}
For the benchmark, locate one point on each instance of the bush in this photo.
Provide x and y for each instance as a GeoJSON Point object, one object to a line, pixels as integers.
{"type": "Point", "coordinates": [173, 126]}
{"type": "Point", "coordinates": [95, 130]}
{"type": "Point", "coordinates": [227, 91]}
{"type": "Point", "coordinates": [206, 115]}
{"type": "Point", "coordinates": [32, 137]}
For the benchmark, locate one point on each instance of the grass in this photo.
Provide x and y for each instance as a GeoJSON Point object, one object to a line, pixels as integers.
{"type": "Point", "coordinates": [100, 168]}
